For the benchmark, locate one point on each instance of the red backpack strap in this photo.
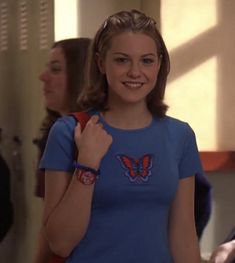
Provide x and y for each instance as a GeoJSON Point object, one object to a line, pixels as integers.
{"type": "Point", "coordinates": [82, 117]}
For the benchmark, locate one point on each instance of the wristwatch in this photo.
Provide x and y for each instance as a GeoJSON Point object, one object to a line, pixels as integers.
{"type": "Point", "coordinates": [86, 177]}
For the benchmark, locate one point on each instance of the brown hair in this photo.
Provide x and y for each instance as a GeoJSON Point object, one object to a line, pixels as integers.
{"type": "Point", "coordinates": [94, 94]}
{"type": "Point", "coordinates": [75, 52]}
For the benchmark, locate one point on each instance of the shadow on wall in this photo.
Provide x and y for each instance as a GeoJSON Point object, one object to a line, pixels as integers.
{"type": "Point", "coordinates": [215, 42]}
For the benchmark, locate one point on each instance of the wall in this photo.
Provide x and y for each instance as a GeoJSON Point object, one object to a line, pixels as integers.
{"type": "Point", "coordinates": [21, 111]}
{"type": "Point", "coordinates": [200, 87]}
{"type": "Point", "coordinates": [92, 13]}
{"type": "Point", "coordinates": [200, 39]}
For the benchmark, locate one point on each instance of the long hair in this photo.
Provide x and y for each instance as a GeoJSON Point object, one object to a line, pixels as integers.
{"type": "Point", "coordinates": [95, 92]}
{"type": "Point", "coordinates": [75, 51]}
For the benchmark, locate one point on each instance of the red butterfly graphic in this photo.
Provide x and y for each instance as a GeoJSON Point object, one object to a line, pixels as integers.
{"type": "Point", "coordinates": [137, 170]}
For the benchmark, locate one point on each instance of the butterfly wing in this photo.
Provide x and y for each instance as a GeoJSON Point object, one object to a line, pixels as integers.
{"type": "Point", "coordinates": [129, 165]}
{"type": "Point", "coordinates": [145, 165]}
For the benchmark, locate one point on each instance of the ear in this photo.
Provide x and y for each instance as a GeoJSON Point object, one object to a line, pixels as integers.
{"type": "Point", "coordinates": [100, 63]}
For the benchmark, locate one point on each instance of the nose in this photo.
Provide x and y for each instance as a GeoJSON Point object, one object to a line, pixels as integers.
{"type": "Point", "coordinates": [44, 76]}
{"type": "Point", "coordinates": [134, 70]}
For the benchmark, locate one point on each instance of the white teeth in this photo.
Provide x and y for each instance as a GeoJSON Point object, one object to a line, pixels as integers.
{"type": "Point", "coordinates": [133, 84]}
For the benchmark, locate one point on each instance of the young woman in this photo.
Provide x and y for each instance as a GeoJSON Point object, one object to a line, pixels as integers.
{"type": "Point", "coordinates": [62, 80]}
{"type": "Point", "coordinates": [131, 197]}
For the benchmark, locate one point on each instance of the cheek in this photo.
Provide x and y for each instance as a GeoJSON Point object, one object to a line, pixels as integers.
{"type": "Point", "coordinates": [114, 74]}
{"type": "Point", "coordinates": [60, 91]}
{"type": "Point", "coordinates": [153, 74]}
{"type": "Point", "coordinates": [110, 76]}
{"type": "Point", "coordinates": [58, 81]}
{"type": "Point", "coordinates": [63, 94]}
{"type": "Point", "coordinates": [62, 85]}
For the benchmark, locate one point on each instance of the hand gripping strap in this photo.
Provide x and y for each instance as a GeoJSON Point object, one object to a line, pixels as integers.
{"type": "Point", "coordinates": [82, 117]}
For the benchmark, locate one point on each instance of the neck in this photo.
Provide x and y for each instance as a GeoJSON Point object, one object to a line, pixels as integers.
{"type": "Point", "coordinates": [128, 117]}
{"type": "Point", "coordinates": [63, 112]}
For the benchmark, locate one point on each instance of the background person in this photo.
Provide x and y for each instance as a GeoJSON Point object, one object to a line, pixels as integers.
{"type": "Point", "coordinates": [62, 80]}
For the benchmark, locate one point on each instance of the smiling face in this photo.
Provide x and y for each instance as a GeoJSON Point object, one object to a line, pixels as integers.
{"type": "Point", "coordinates": [131, 67]}
{"type": "Point", "coordinates": [55, 82]}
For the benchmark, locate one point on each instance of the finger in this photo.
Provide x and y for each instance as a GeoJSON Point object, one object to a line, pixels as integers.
{"type": "Point", "coordinates": [94, 119]}
{"type": "Point", "coordinates": [100, 125]}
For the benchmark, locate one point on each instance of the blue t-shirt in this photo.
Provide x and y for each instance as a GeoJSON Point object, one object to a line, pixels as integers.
{"type": "Point", "coordinates": [132, 197]}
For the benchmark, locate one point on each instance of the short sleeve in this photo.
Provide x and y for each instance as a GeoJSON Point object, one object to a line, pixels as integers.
{"type": "Point", "coordinates": [60, 148]}
{"type": "Point", "coordinates": [190, 163]}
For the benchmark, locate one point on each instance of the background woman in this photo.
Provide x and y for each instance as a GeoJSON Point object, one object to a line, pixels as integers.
{"type": "Point", "coordinates": [63, 79]}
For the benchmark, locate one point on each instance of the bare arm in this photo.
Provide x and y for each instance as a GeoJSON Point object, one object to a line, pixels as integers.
{"type": "Point", "coordinates": [66, 218]}
{"type": "Point", "coordinates": [182, 233]}
{"type": "Point", "coordinates": [67, 200]}
{"type": "Point", "coordinates": [43, 251]}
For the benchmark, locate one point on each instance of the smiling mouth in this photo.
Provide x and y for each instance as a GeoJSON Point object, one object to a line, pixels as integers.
{"type": "Point", "coordinates": [46, 91]}
{"type": "Point", "coordinates": [133, 85]}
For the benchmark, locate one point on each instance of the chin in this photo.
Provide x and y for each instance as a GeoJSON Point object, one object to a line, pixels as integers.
{"type": "Point", "coordinates": [50, 106]}
{"type": "Point", "coordinates": [133, 100]}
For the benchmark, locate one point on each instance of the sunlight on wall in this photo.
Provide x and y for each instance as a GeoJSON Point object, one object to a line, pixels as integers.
{"type": "Point", "coordinates": [65, 19]}
{"type": "Point", "coordinates": [192, 96]}
{"type": "Point", "coordinates": [186, 20]}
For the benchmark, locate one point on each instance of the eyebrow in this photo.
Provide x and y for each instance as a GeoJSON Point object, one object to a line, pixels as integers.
{"type": "Point", "coordinates": [145, 55]}
{"type": "Point", "coordinates": [53, 62]}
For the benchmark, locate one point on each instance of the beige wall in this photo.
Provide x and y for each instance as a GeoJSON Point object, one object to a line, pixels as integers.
{"type": "Point", "coordinates": [91, 13]}
{"type": "Point", "coordinates": [200, 38]}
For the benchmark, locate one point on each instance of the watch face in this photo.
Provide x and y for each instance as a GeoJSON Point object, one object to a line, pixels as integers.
{"type": "Point", "coordinates": [87, 177]}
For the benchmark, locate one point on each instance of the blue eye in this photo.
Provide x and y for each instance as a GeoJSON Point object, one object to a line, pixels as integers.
{"type": "Point", "coordinates": [148, 61]}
